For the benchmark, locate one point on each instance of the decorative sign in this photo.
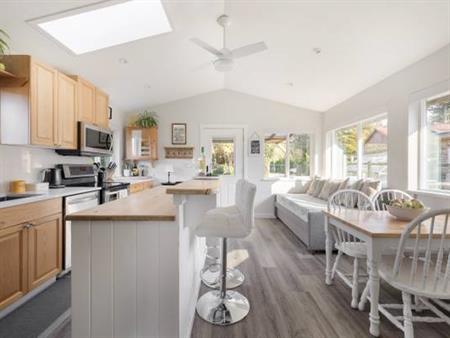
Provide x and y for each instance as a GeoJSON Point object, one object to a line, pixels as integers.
{"type": "Point", "coordinates": [179, 152]}
{"type": "Point", "coordinates": [254, 145]}
{"type": "Point", "coordinates": [179, 133]}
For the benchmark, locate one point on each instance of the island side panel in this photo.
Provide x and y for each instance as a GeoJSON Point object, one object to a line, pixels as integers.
{"type": "Point", "coordinates": [124, 279]}
{"type": "Point", "coordinates": [192, 254]}
{"type": "Point", "coordinates": [81, 279]}
{"type": "Point", "coordinates": [101, 279]}
{"type": "Point", "coordinates": [148, 284]}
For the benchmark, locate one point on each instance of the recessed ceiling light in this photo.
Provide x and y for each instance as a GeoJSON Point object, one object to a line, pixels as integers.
{"type": "Point", "coordinates": [105, 24]}
{"type": "Point", "coordinates": [147, 86]}
{"type": "Point", "coordinates": [123, 61]}
{"type": "Point", "coordinates": [317, 50]}
{"type": "Point", "coordinates": [290, 84]}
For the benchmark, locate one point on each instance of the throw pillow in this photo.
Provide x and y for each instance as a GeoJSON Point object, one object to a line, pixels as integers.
{"type": "Point", "coordinates": [357, 185]}
{"type": "Point", "coordinates": [371, 187]}
{"type": "Point", "coordinates": [312, 185]}
{"type": "Point", "coordinates": [329, 188]}
{"type": "Point", "coordinates": [300, 187]}
{"type": "Point", "coordinates": [344, 184]}
{"type": "Point", "coordinates": [318, 188]}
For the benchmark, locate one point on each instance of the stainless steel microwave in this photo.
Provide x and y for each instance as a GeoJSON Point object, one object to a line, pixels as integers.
{"type": "Point", "coordinates": [92, 141]}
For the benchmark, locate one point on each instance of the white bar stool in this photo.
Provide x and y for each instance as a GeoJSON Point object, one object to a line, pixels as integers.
{"type": "Point", "coordinates": [225, 307]}
{"type": "Point", "coordinates": [210, 274]}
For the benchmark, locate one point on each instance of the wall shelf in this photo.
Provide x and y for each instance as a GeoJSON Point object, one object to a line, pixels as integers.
{"type": "Point", "coordinates": [8, 79]}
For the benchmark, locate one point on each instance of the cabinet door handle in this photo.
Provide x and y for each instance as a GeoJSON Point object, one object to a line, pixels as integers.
{"type": "Point", "coordinates": [28, 225]}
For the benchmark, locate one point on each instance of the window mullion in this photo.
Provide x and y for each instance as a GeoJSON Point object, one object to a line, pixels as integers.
{"type": "Point", "coordinates": [286, 171]}
{"type": "Point", "coordinates": [360, 149]}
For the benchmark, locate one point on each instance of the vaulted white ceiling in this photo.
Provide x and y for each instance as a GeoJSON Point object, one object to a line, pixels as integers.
{"type": "Point", "coordinates": [362, 42]}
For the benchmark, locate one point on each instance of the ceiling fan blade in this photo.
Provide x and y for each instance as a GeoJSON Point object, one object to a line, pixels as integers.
{"type": "Point", "coordinates": [248, 50]}
{"type": "Point", "coordinates": [206, 46]}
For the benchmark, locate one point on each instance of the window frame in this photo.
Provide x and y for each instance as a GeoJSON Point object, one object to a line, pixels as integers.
{"type": "Point", "coordinates": [287, 175]}
{"type": "Point", "coordinates": [358, 125]}
{"type": "Point", "coordinates": [421, 146]}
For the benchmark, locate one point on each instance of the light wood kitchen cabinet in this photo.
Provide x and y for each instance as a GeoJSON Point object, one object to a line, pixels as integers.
{"type": "Point", "coordinates": [30, 247]}
{"type": "Point", "coordinates": [101, 108]}
{"type": "Point", "coordinates": [141, 143]}
{"type": "Point", "coordinates": [67, 112]}
{"type": "Point", "coordinates": [86, 112]}
{"type": "Point", "coordinates": [44, 249]}
{"type": "Point", "coordinates": [13, 264]}
{"type": "Point", "coordinates": [43, 112]}
{"type": "Point", "coordinates": [140, 186]}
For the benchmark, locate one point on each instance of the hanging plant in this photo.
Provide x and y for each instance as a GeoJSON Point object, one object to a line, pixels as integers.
{"type": "Point", "coordinates": [3, 46]}
{"type": "Point", "coordinates": [147, 119]}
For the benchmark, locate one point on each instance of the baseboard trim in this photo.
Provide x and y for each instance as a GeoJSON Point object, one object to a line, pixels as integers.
{"type": "Point", "coordinates": [264, 215]}
{"type": "Point", "coordinates": [6, 311]}
{"type": "Point", "coordinates": [53, 326]}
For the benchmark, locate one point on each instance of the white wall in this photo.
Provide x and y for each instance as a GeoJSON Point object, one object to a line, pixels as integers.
{"type": "Point", "coordinates": [26, 162]}
{"type": "Point", "coordinates": [229, 107]}
{"type": "Point", "coordinates": [392, 96]}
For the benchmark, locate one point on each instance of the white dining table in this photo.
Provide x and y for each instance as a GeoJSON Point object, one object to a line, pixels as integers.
{"type": "Point", "coordinates": [381, 233]}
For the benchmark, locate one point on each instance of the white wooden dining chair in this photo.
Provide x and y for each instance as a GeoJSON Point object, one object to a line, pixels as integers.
{"type": "Point", "coordinates": [345, 242]}
{"type": "Point", "coordinates": [383, 197]}
{"type": "Point", "coordinates": [425, 273]}
{"type": "Point", "coordinates": [380, 200]}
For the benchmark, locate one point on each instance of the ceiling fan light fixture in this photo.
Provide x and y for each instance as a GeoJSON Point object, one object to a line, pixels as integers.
{"type": "Point", "coordinates": [223, 65]}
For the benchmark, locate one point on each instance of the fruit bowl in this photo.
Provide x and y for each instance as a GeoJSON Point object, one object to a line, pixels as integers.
{"type": "Point", "coordinates": [405, 214]}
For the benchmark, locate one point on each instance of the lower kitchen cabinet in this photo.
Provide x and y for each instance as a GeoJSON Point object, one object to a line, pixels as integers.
{"type": "Point", "coordinates": [13, 264]}
{"type": "Point", "coordinates": [30, 247]}
{"type": "Point", "coordinates": [44, 250]}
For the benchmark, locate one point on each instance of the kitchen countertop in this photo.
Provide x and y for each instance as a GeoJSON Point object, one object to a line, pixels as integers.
{"type": "Point", "coordinates": [148, 205]}
{"type": "Point", "coordinates": [195, 187]}
{"type": "Point", "coordinates": [133, 179]}
{"type": "Point", "coordinates": [41, 196]}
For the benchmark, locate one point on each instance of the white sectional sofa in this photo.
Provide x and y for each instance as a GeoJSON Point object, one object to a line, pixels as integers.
{"type": "Point", "coordinates": [301, 208]}
{"type": "Point", "coordinates": [302, 214]}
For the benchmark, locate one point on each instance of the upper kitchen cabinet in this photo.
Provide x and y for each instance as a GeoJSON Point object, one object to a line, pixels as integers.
{"type": "Point", "coordinates": [67, 109]}
{"type": "Point", "coordinates": [93, 103]}
{"type": "Point", "coordinates": [41, 106]}
{"type": "Point", "coordinates": [43, 101]}
{"type": "Point", "coordinates": [101, 108]}
{"type": "Point", "coordinates": [141, 143]}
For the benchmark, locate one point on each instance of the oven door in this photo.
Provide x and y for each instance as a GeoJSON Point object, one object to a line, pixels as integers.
{"type": "Point", "coordinates": [95, 139]}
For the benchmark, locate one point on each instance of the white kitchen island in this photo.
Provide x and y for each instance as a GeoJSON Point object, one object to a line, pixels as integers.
{"type": "Point", "coordinates": [136, 263]}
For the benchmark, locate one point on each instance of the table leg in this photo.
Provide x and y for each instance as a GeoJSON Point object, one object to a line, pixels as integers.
{"type": "Point", "coordinates": [374, 280]}
{"type": "Point", "coordinates": [328, 252]}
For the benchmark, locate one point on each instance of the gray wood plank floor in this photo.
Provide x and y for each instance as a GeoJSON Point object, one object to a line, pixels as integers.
{"type": "Point", "coordinates": [288, 296]}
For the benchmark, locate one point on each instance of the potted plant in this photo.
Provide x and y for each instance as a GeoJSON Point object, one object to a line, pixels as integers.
{"type": "Point", "coordinates": [147, 119]}
{"type": "Point", "coordinates": [3, 46]}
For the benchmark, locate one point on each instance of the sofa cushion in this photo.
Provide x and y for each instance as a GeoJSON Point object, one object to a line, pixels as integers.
{"type": "Point", "coordinates": [301, 204]}
{"type": "Point", "coordinates": [329, 188]}
{"type": "Point", "coordinates": [318, 187]}
{"type": "Point", "coordinates": [300, 187]}
{"type": "Point", "coordinates": [371, 187]}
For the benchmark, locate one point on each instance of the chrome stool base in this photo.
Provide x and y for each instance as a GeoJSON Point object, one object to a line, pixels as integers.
{"type": "Point", "coordinates": [229, 310]}
{"type": "Point", "coordinates": [210, 276]}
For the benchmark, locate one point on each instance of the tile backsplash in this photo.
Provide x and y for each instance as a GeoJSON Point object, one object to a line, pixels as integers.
{"type": "Point", "coordinates": [26, 163]}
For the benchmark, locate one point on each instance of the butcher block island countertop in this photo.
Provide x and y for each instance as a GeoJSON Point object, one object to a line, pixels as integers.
{"type": "Point", "coordinates": [149, 205]}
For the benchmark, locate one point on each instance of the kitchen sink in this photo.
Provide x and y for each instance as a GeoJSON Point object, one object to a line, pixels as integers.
{"type": "Point", "coordinates": [16, 197]}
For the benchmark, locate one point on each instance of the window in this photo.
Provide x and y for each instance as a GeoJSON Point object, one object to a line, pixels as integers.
{"type": "Point", "coordinates": [435, 148]}
{"type": "Point", "coordinates": [360, 150]}
{"type": "Point", "coordinates": [100, 26]}
{"type": "Point", "coordinates": [222, 161]}
{"type": "Point", "coordinates": [287, 155]}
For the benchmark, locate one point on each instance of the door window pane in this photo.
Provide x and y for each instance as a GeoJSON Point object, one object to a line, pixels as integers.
{"type": "Point", "coordinates": [345, 152]}
{"type": "Point", "coordinates": [436, 164]}
{"type": "Point", "coordinates": [299, 155]}
{"type": "Point", "coordinates": [222, 161]}
{"type": "Point", "coordinates": [374, 157]}
{"type": "Point", "coordinates": [275, 155]}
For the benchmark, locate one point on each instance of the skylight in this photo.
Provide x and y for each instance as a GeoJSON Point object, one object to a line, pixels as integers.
{"type": "Point", "coordinates": [92, 28]}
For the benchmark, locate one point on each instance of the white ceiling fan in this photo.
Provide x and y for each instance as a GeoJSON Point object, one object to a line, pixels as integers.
{"type": "Point", "coordinates": [225, 56]}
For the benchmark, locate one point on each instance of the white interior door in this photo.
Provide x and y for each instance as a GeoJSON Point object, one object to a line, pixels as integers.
{"type": "Point", "coordinates": [224, 150]}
